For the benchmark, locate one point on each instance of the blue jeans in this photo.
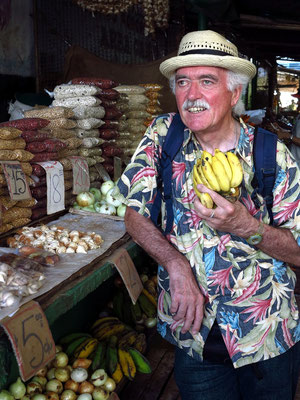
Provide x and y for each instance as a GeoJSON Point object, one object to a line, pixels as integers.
{"type": "Point", "coordinates": [273, 379]}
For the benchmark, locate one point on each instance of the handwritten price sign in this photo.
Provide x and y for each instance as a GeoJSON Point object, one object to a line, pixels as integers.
{"type": "Point", "coordinates": [55, 186]}
{"type": "Point", "coordinates": [128, 272]}
{"type": "Point", "coordinates": [29, 333]}
{"type": "Point", "coordinates": [81, 176]}
{"type": "Point", "coordinates": [16, 180]}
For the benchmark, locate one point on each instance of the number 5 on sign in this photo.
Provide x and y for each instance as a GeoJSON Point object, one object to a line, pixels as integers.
{"type": "Point", "coordinates": [16, 180]}
{"type": "Point", "coordinates": [32, 341]}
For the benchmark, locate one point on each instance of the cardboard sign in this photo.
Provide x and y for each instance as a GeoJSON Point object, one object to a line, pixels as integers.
{"type": "Point", "coordinates": [31, 338]}
{"type": "Point", "coordinates": [124, 264]}
{"type": "Point", "coordinates": [55, 186]}
{"type": "Point", "coordinates": [102, 172]}
{"type": "Point", "coordinates": [16, 180]}
{"type": "Point", "coordinates": [117, 168]}
{"type": "Point", "coordinates": [81, 176]}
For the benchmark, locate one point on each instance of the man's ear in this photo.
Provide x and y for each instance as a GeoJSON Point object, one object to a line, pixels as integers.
{"type": "Point", "coordinates": [236, 95]}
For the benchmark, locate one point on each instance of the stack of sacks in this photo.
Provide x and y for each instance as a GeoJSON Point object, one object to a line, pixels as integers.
{"type": "Point", "coordinates": [136, 115]}
{"type": "Point", "coordinates": [12, 148]}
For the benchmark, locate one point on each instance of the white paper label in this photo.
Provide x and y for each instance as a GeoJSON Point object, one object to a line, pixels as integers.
{"type": "Point", "coordinates": [55, 186]}
{"type": "Point", "coordinates": [16, 180]}
{"type": "Point", "coordinates": [81, 176]}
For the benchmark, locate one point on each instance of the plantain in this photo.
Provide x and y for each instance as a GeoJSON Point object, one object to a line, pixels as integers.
{"type": "Point", "coordinates": [150, 296]}
{"type": "Point", "coordinates": [101, 321]}
{"type": "Point", "coordinates": [65, 340]}
{"type": "Point", "coordinates": [71, 347]}
{"type": "Point", "coordinates": [150, 286]}
{"type": "Point", "coordinates": [112, 355]}
{"type": "Point", "coordinates": [85, 348]}
{"type": "Point", "coordinates": [104, 326]}
{"type": "Point", "coordinates": [127, 364]}
{"type": "Point", "coordinates": [140, 344]}
{"type": "Point", "coordinates": [118, 301]}
{"type": "Point", "coordinates": [110, 331]}
{"type": "Point", "coordinates": [128, 339]}
{"type": "Point", "coordinates": [99, 357]}
{"type": "Point", "coordinates": [147, 307]}
{"type": "Point", "coordinates": [140, 361]}
{"type": "Point", "coordinates": [237, 170]}
{"type": "Point", "coordinates": [220, 174]}
{"type": "Point", "coordinates": [136, 312]}
{"type": "Point", "coordinates": [117, 375]}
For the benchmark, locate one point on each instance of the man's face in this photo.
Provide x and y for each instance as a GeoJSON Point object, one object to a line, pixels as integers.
{"type": "Point", "coordinates": [202, 97]}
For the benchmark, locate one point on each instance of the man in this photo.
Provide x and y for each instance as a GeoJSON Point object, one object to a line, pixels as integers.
{"type": "Point", "coordinates": [210, 278]}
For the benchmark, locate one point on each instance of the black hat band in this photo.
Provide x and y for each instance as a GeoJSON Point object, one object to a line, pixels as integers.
{"type": "Point", "coordinates": [205, 51]}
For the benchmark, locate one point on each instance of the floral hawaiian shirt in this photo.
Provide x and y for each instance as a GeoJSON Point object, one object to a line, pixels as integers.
{"type": "Point", "coordinates": [250, 294]}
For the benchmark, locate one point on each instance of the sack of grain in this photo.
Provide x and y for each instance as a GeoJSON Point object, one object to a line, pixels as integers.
{"type": "Point", "coordinates": [72, 102]}
{"type": "Point", "coordinates": [49, 113]}
{"type": "Point", "coordinates": [65, 91]}
{"type": "Point", "coordinates": [9, 133]}
{"type": "Point", "coordinates": [81, 112]}
{"type": "Point", "coordinates": [17, 143]}
{"type": "Point", "coordinates": [130, 89]}
{"type": "Point", "coordinates": [89, 123]}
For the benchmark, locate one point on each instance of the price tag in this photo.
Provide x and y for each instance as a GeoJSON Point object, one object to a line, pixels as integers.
{"type": "Point", "coordinates": [55, 186]}
{"type": "Point", "coordinates": [124, 264]}
{"type": "Point", "coordinates": [117, 168]}
{"type": "Point", "coordinates": [16, 180]}
{"type": "Point", "coordinates": [31, 338]}
{"type": "Point", "coordinates": [81, 176]}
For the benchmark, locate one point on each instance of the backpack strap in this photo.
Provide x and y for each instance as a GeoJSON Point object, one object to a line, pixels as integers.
{"type": "Point", "coordinates": [264, 156]}
{"type": "Point", "coordinates": [172, 143]}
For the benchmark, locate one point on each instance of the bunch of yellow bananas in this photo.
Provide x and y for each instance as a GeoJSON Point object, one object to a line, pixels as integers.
{"type": "Point", "coordinates": [222, 173]}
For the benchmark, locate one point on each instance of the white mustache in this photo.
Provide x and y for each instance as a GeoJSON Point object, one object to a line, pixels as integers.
{"type": "Point", "coordinates": [196, 103]}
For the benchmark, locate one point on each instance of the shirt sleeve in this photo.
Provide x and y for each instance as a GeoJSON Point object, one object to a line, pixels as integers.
{"type": "Point", "coordinates": [286, 194]}
{"type": "Point", "coordinates": [138, 183]}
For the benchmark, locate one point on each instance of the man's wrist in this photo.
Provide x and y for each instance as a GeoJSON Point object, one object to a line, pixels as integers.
{"type": "Point", "coordinates": [256, 236]}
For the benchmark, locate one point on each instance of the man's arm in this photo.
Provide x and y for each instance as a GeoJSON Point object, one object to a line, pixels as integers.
{"type": "Point", "coordinates": [234, 218]}
{"type": "Point", "coordinates": [187, 299]}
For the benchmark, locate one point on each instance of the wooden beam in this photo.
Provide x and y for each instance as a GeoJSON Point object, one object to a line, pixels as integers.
{"type": "Point", "coordinates": [251, 21]}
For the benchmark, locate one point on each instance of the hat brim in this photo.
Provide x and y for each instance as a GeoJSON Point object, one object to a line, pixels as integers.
{"type": "Point", "coordinates": [235, 64]}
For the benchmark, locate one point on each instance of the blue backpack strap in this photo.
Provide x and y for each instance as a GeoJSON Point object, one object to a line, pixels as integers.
{"type": "Point", "coordinates": [172, 143]}
{"type": "Point", "coordinates": [264, 156]}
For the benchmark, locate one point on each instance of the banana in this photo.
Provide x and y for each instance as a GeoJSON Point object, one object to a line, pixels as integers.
{"type": "Point", "coordinates": [112, 355]}
{"type": "Point", "coordinates": [101, 321]}
{"type": "Point", "coordinates": [150, 296]}
{"type": "Point", "coordinates": [109, 331]}
{"type": "Point", "coordinates": [196, 177]}
{"type": "Point", "coordinates": [71, 347]}
{"type": "Point", "coordinates": [85, 348]}
{"type": "Point", "coordinates": [104, 326]}
{"type": "Point", "coordinates": [118, 300]}
{"type": "Point", "coordinates": [136, 312]}
{"type": "Point", "coordinates": [220, 174]}
{"type": "Point", "coordinates": [141, 362]}
{"type": "Point", "coordinates": [65, 340]}
{"type": "Point", "coordinates": [222, 157]}
{"type": "Point", "coordinates": [207, 156]}
{"type": "Point", "coordinates": [237, 170]}
{"type": "Point", "coordinates": [117, 375]}
{"type": "Point", "coordinates": [208, 172]}
{"type": "Point", "coordinates": [206, 200]}
{"type": "Point", "coordinates": [203, 179]}
{"type": "Point", "coordinates": [99, 357]}
{"type": "Point", "coordinates": [127, 364]}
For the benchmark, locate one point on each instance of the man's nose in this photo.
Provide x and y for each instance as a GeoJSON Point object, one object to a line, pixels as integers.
{"type": "Point", "coordinates": [194, 90]}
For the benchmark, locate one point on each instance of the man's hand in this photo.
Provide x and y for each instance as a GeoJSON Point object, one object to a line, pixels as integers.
{"type": "Point", "coordinates": [187, 299]}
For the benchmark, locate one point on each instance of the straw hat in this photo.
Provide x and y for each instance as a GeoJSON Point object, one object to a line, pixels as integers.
{"type": "Point", "coordinates": [207, 48]}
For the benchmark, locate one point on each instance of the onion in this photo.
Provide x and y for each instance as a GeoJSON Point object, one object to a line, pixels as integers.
{"type": "Point", "coordinates": [54, 385]}
{"type": "Point", "coordinates": [99, 377]}
{"type": "Point", "coordinates": [51, 396]}
{"type": "Point", "coordinates": [110, 384]}
{"type": "Point", "coordinates": [42, 372]}
{"type": "Point", "coordinates": [79, 375]}
{"type": "Point", "coordinates": [33, 388]}
{"type": "Point", "coordinates": [85, 396]}
{"type": "Point", "coordinates": [86, 387]}
{"type": "Point", "coordinates": [5, 395]}
{"type": "Point", "coordinates": [68, 395]}
{"type": "Point", "coordinates": [61, 360]}
{"type": "Point", "coordinates": [17, 389]}
{"type": "Point", "coordinates": [82, 363]}
{"type": "Point", "coordinates": [84, 199]}
{"type": "Point", "coordinates": [39, 396]}
{"type": "Point", "coordinates": [150, 322]}
{"type": "Point", "coordinates": [62, 374]}
{"type": "Point", "coordinates": [71, 385]}
{"type": "Point", "coordinates": [26, 397]}
{"type": "Point", "coordinates": [50, 374]}
{"type": "Point", "coordinates": [42, 380]}
{"type": "Point", "coordinates": [100, 394]}
{"type": "Point", "coordinates": [58, 348]}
